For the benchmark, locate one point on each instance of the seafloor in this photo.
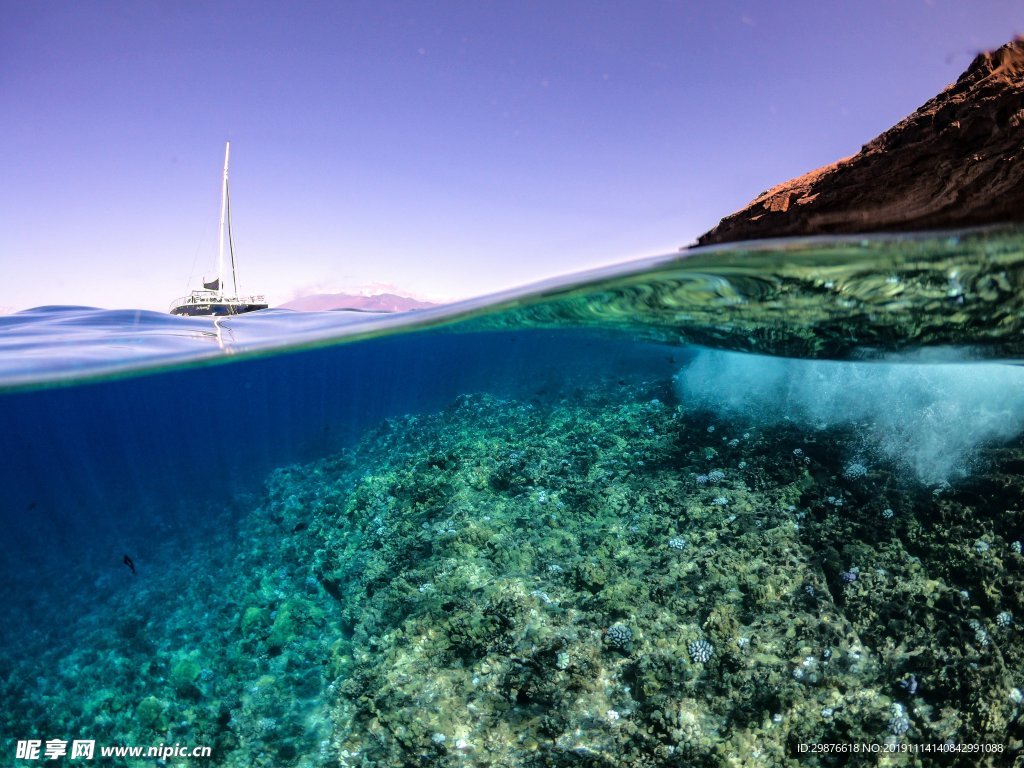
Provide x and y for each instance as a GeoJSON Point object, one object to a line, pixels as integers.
{"type": "Point", "coordinates": [608, 581]}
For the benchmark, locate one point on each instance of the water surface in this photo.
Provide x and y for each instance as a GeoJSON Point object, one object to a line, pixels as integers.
{"type": "Point", "coordinates": [702, 510]}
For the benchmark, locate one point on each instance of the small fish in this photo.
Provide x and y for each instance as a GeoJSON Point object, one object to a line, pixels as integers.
{"type": "Point", "coordinates": [128, 561]}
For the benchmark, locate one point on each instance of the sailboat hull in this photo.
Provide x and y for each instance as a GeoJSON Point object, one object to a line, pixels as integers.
{"type": "Point", "coordinates": [215, 308]}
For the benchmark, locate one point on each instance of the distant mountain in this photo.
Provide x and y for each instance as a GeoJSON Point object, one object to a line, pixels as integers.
{"type": "Point", "coordinates": [382, 302]}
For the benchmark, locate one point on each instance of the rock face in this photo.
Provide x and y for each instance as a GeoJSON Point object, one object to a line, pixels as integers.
{"type": "Point", "coordinates": [958, 161]}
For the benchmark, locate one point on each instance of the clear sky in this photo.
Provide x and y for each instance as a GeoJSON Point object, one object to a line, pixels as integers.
{"type": "Point", "coordinates": [440, 149]}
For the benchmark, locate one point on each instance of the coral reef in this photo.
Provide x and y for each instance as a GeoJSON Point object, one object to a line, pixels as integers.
{"type": "Point", "coordinates": [525, 584]}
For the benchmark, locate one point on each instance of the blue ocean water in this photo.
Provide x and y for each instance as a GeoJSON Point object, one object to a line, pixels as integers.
{"type": "Point", "coordinates": [175, 485]}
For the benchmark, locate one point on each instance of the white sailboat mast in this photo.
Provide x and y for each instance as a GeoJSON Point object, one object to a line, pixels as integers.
{"type": "Point", "coordinates": [223, 216]}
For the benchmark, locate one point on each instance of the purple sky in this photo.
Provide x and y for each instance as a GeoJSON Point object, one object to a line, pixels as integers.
{"type": "Point", "coordinates": [440, 149]}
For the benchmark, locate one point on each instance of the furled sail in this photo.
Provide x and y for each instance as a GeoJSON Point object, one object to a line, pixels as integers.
{"type": "Point", "coordinates": [212, 286]}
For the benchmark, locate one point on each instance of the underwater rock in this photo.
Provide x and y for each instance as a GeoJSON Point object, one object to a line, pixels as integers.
{"type": "Point", "coordinates": [150, 713]}
{"type": "Point", "coordinates": [958, 161]}
{"type": "Point", "coordinates": [183, 678]}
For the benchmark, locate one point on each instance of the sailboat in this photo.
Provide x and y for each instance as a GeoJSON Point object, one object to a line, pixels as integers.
{"type": "Point", "coordinates": [213, 299]}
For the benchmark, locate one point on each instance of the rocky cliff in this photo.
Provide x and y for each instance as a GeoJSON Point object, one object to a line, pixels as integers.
{"type": "Point", "coordinates": [957, 161]}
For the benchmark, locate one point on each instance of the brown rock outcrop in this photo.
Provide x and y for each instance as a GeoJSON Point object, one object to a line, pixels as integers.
{"type": "Point", "coordinates": [958, 161]}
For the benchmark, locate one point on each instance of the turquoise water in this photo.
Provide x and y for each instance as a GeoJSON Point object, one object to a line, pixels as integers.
{"type": "Point", "coordinates": [832, 298]}
{"type": "Point", "coordinates": [723, 507]}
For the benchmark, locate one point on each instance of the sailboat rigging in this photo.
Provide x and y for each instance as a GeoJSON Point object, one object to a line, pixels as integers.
{"type": "Point", "coordinates": [212, 299]}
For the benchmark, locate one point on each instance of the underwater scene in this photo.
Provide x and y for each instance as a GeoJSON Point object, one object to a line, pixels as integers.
{"type": "Point", "coordinates": [753, 505]}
